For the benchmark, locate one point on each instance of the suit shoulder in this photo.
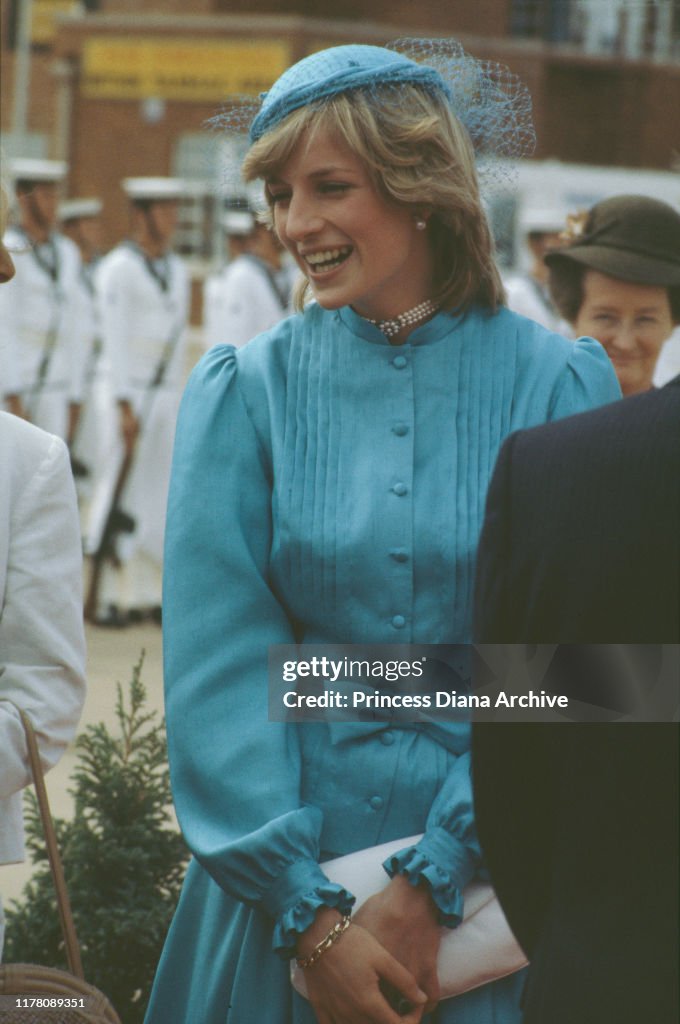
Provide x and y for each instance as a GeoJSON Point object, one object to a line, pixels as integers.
{"type": "Point", "coordinates": [25, 436]}
{"type": "Point", "coordinates": [27, 449]}
{"type": "Point", "coordinates": [644, 420]}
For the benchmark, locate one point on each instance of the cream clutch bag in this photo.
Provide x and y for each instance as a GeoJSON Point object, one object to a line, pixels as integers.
{"type": "Point", "coordinates": [481, 949]}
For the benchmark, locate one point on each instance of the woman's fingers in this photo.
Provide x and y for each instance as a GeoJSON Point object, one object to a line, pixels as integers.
{"type": "Point", "coordinates": [404, 920]}
{"type": "Point", "coordinates": [399, 978]}
{"type": "Point", "coordinates": [349, 984]}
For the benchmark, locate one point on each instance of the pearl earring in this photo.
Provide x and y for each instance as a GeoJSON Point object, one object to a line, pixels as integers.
{"type": "Point", "coordinates": [420, 224]}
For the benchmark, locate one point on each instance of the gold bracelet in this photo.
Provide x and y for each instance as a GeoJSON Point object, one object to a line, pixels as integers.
{"type": "Point", "coordinates": [325, 944]}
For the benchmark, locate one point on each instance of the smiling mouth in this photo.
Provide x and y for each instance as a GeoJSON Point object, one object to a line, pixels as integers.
{"type": "Point", "coordinates": [325, 260]}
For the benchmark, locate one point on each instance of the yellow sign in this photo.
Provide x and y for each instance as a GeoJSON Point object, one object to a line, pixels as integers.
{"type": "Point", "coordinates": [193, 70]}
{"type": "Point", "coordinates": [43, 18]}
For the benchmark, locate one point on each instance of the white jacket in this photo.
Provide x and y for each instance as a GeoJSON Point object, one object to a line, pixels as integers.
{"type": "Point", "coordinates": [42, 643]}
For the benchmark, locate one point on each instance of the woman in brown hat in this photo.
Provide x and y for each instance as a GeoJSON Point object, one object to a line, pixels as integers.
{"type": "Point", "coordinates": [618, 280]}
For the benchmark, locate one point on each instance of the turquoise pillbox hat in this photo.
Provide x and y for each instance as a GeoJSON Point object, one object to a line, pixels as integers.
{"type": "Point", "coordinates": [337, 70]}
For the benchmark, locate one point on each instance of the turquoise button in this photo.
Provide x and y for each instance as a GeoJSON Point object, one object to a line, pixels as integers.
{"type": "Point", "coordinates": [399, 554]}
{"type": "Point", "coordinates": [399, 362]}
{"type": "Point", "coordinates": [376, 802]}
{"type": "Point", "coordinates": [400, 489]}
{"type": "Point", "coordinates": [387, 739]}
{"type": "Point", "coordinates": [398, 621]}
{"type": "Point", "coordinates": [400, 429]}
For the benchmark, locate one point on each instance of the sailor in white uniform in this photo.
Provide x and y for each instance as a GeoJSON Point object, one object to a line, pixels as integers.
{"type": "Point", "coordinates": [42, 349]}
{"type": "Point", "coordinates": [252, 292]}
{"type": "Point", "coordinates": [80, 220]}
{"type": "Point", "coordinates": [143, 290]}
{"type": "Point", "coordinates": [527, 290]}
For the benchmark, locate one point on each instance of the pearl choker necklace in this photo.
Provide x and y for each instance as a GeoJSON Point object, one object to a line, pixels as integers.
{"type": "Point", "coordinates": [390, 328]}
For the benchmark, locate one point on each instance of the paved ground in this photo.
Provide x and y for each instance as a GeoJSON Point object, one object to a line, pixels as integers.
{"type": "Point", "coordinates": [111, 656]}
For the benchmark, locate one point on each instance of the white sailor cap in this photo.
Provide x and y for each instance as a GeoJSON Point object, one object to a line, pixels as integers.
{"type": "Point", "coordinates": [32, 169]}
{"type": "Point", "coordinates": [547, 218]}
{"type": "Point", "coordinates": [238, 222]}
{"type": "Point", "coordinates": [74, 209]}
{"type": "Point", "coordinates": [154, 189]}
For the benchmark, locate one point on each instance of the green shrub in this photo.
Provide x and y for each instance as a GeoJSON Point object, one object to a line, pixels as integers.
{"type": "Point", "coordinates": [123, 859]}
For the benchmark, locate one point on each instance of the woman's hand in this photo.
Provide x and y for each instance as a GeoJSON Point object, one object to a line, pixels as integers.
{"type": "Point", "coordinates": [403, 918]}
{"type": "Point", "coordinates": [345, 986]}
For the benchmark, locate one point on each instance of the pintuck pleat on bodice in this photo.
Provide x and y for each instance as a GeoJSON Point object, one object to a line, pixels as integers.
{"type": "Point", "coordinates": [381, 456]}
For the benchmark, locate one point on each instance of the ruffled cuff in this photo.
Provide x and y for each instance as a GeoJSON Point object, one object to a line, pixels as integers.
{"type": "Point", "coordinates": [294, 899]}
{"type": "Point", "coordinates": [444, 863]}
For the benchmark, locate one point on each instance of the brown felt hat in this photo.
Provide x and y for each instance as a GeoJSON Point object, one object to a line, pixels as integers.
{"type": "Point", "coordinates": [633, 238]}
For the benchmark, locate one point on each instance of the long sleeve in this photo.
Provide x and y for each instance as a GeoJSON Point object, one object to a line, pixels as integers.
{"type": "Point", "coordinates": [75, 321]}
{"type": "Point", "coordinates": [178, 319]}
{"type": "Point", "coordinates": [448, 856]}
{"type": "Point", "coordinates": [236, 775]}
{"type": "Point", "coordinates": [115, 287]}
{"type": "Point", "coordinates": [42, 645]}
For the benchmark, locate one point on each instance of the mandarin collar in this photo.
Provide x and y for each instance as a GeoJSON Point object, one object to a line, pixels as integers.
{"type": "Point", "coordinates": [440, 325]}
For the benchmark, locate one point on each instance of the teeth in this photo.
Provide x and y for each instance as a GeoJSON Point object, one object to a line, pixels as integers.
{"type": "Point", "coordinates": [315, 258]}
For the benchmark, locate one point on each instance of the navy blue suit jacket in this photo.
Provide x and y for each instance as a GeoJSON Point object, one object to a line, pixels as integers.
{"type": "Point", "coordinates": [579, 823]}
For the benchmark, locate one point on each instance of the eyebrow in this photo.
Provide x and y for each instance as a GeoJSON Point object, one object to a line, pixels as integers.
{"type": "Point", "coordinates": [322, 172]}
{"type": "Point", "coordinates": [603, 308]}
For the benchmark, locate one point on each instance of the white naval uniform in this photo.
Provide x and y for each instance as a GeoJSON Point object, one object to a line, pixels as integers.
{"type": "Point", "coordinates": [42, 644]}
{"type": "Point", "coordinates": [139, 318]}
{"type": "Point", "coordinates": [35, 305]}
{"type": "Point", "coordinates": [241, 301]}
{"type": "Point", "coordinates": [98, 424]}
{"type": "Point", "coordinates": [525, 296]}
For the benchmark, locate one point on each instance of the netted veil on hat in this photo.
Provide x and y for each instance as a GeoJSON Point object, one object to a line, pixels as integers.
{"type": "Point", "coordinates": [488, 99]}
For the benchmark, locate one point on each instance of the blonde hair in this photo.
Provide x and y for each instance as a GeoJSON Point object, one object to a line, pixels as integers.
{"type": "Point", "coordinates": [417, 154]}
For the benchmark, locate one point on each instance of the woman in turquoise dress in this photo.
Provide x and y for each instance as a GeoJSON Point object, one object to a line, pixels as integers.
{"type": "Point", "coordinates": [328, 487]}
